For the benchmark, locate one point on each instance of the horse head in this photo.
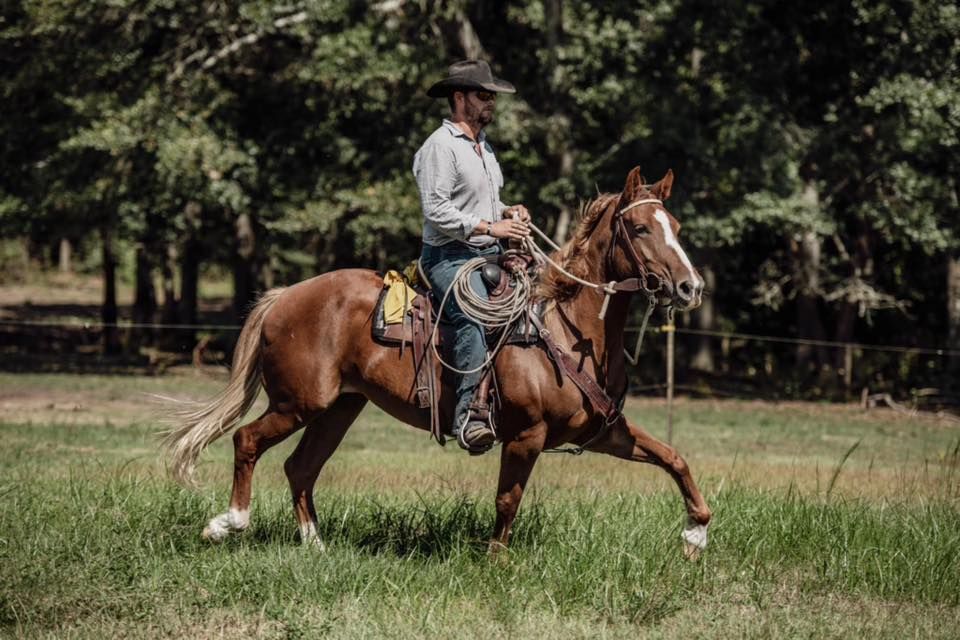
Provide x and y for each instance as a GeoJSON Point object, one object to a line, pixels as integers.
{"type": "Point", "coordinates": [645, 243]}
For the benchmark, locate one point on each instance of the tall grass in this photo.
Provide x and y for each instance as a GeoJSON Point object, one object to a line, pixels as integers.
{"type": "Point", "coordinates": [125, 548]}
{"type": "Point", "coordinates": [96, 542]}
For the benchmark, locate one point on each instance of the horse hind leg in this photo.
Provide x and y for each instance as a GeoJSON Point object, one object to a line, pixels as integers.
{"type": "Point", "coordinates": [320, 439]}
{"type": "Point", "coordinates": [249, 443]}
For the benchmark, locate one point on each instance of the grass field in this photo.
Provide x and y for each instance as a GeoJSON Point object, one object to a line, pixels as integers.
{"type": "Point", "coordinates": [96, 542]}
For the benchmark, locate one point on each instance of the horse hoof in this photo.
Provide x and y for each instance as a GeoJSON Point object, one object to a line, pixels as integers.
{"type": "Point", "coordinates": [224, 524]}
{"type": "Point", "coordinates": [214, 533]}
{"type": "Point", "coordinates": [691, 552]}
{"type": "Point", "coordinates": [498, 552]}
{"type": "Point", "coordinates": [315, 543]}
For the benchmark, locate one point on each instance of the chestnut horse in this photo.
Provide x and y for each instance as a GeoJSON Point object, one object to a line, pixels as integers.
{"type": "Point", "coordinates": [310, 347]}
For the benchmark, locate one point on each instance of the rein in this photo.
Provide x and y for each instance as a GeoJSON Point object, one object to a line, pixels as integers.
{"type": "Point", "coordinates": [647, 282]}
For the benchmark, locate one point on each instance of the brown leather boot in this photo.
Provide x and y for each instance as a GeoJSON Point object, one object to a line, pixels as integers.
{"type": "Point", "coordinates": [478, 435]}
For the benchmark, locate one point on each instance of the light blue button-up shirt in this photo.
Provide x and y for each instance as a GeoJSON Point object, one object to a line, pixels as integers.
{"type": "Point", "coordinates": [458, 187]}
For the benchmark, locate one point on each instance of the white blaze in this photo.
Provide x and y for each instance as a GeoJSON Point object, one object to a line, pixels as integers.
{"type": "Point", "coordinates": [672, 242]}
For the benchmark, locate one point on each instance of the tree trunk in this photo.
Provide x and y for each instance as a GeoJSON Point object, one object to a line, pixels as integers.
{"type": "Point", "coordinates": [558, 141]}
{"type": "Point", "coordinates": [189, 280]}
{"type": "Point", "coordinates": [172, 339]}
{"type": "Point", "coordinates": [458, 29]}
{"type": "Point", "coordinates": [326, 250]}
{"type": "Point", "coordinates": [806, 251]}
{"type": "Point", "coordinates": [704, 319]}
{"type": "Point", "coordinates": [108, 311]}
{"type": "Point", "coordinates": [863, 268]}
{"type": "Point", "coordinates": [953, 312]}
{"type": "Point", "coordinates": [190, 265]}
{"type": "Point", "coordinates": [144, 297]}
{"type": "Point", "coordinates": [244, 267]}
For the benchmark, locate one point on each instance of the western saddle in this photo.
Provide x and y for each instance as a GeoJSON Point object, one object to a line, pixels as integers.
{"type": "Point", "coordinates": [432, 389]}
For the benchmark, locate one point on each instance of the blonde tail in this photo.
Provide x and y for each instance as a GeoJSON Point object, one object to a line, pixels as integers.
{"type": "Point", "coordinates": [203, 424]}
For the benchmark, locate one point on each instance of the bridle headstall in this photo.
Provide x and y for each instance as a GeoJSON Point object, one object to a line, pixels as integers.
{"type": "Point", "coordinates": [649, 283]}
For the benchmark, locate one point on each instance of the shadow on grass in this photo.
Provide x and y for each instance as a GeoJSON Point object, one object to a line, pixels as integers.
{"type": "Point", "coordinates": [439, 528]}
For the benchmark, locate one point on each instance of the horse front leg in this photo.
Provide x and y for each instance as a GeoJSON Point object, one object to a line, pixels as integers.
{"type": "Point", "coordinates": [517, 458]}
{"type": "Point", "coordinates": [629, 441]}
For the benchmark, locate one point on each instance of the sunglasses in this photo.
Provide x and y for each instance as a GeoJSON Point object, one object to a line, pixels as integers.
{"type": "Point", "coordinates": [485, 96]}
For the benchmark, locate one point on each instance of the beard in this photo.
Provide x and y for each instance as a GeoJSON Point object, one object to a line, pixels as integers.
{"type": "Point", "coordinates": [482, 115]}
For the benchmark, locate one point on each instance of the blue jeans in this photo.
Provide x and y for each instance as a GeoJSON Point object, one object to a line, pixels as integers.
{"type": "Point", "coordinates": [469, 348]}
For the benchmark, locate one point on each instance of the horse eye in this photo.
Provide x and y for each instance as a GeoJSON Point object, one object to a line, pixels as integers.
{"type": "Point", "coordinates": [641, 229]}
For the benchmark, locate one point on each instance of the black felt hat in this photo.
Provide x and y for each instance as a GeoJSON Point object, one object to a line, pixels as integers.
{"type": "Point", "coordinates": [469, 74]}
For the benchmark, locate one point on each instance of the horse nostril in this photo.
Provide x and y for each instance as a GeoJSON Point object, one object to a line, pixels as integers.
{"type": "Point", "coordinates": [685, 290]}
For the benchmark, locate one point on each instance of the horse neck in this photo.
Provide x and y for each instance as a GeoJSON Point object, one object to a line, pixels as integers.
{"type": "Point", "coordinates": [582, 310]}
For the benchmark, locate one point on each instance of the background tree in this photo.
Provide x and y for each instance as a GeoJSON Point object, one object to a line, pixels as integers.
{"type": "Point", "coordinates": [816, 150]}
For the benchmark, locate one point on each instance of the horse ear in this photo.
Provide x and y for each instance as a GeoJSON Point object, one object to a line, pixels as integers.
{"type": "Point", "coordinates": [662, 189]}
{"type": "Point", "coordinates": [634, 183]}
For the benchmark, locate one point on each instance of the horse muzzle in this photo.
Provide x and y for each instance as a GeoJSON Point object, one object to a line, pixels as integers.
{"type": "Point", "coordinates": [688, 294]}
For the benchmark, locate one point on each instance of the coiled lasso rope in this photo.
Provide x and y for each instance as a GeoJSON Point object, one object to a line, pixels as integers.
{"type": "Point", "coordinates": [490, 316]}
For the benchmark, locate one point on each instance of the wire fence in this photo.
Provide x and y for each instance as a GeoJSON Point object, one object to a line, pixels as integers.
{"type": "Point", "coordinates": [883, 372]}
{"type": "Point", "coordinates": [743, 365]}
{"type": "Point", "coordinates": [733, 335]}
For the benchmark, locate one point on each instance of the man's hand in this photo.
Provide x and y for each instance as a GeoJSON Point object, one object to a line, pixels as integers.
{"type": "Point", "coordinates": [510, 228]}
{"type": "Point", "coordinates": [518, 212]}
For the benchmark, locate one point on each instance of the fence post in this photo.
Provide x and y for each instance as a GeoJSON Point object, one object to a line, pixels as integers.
{"type": "Point", "coordinates": [848, 367]}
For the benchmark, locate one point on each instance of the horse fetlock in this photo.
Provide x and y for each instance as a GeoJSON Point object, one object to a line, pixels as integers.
{"type": "Point", "coordinates": [226, 523]}
{"type": "Point", "coordinates": [694, 537]}
{"type": "Point", "coordinates": [310, 538]}
{"type": "Point", "coordinates": [498, 552]}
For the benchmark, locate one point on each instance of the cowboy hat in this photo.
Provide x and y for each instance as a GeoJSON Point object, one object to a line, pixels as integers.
{"type": "Point", "coordinates": [469, 74]}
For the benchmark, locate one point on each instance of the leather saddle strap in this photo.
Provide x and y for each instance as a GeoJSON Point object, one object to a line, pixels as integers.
{"type": "Point", "coordinates": [568, 366]}
{"type": "Point", "coordinates": [428, 388]}
{"type": "Point", "coordinates": [419, 344]}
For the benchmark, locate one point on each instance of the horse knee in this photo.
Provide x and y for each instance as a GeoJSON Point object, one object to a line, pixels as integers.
{"type": "Point", "coordinates": [678, 465]}
{"type": "Point", "coordinates": [506, 505]}
{"type": "Point", "coordinates": [244, 445]}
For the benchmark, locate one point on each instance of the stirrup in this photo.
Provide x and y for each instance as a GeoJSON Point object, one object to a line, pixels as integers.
{"type": "Point", "coordinates": [476, 437]}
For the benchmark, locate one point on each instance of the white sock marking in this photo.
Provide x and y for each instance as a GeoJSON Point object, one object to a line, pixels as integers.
{"type": "Point", "coordinates": [310, 537]}
{"type": "Point", "coordinates": [226, 523]}
{"type": "Point", "coordinates": [695, 535]}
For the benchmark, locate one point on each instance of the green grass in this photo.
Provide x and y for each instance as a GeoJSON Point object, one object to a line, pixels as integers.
{"type": "Point", "coordinates": [96, 542]}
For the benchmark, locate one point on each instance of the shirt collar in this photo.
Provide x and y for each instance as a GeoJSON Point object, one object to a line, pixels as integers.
{"type": "Point", "coordinates": [457, 132]}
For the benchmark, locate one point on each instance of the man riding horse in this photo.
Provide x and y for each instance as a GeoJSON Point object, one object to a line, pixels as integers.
{"type": "Point", "coordinates": [459, 181]}
{"type": "Point", "coordinates": [311, 346]}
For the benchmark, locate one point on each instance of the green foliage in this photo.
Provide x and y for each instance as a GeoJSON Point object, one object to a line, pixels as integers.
{"type": "Point", "coordinates": [842, 122]}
